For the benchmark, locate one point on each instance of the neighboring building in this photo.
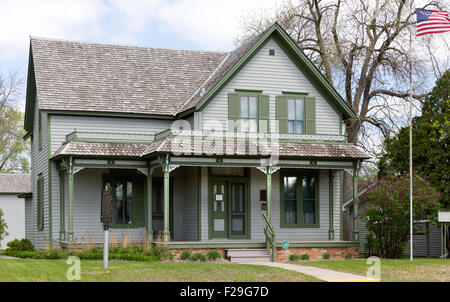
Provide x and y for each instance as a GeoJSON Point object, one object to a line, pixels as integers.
{"type": "Point", "coordinates": [99, 114]}
{"type": "Point", "coordinates": [13, 206]}
{"type": "Point", "coordinates": [427, 238]}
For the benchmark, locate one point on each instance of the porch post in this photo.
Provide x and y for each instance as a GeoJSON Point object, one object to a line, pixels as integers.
{"type": "Point", "coordinates": [70, 234]}
{"type": "Point", "coordinates": [166, 172]}
{"type": "Point", "coordinates": [62, 210]}
{"type": "Point", "coordinates": [148, 221]}
{"type": "Point", "coordinates": [269, 194]}
{"type": "Point", "coordinates": [355, 201]}
{"type": "Point", "coordinates": [331, 203]}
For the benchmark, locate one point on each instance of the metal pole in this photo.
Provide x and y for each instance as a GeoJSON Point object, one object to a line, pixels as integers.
{"type": "Point", "coordinates": [411, 256]}
{"type": "Point", "coordinates": [105, 246]}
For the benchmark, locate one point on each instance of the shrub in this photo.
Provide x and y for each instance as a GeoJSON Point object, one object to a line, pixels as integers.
{"type": "Point", "coordinates": [213, 255]}
{"type": "Point", "coordinates": [159, 251]}
{"type": "Point", "coordinates": [185, 255]}
{"type": "Point", "coordinates": [198, 257]}
{"type": "Point", "coordinates": [294, 257]}
{"type": "Point", "coordinates": [20, 245]}
{"type": "Point", "coordinates": [166, 256]}
{"type": "Point", "coordinates": [304, 257]}
{"type": "Point", "coordinates": [326, 256]}
{"type": "Point", "coordinates": [387, 212]}
{"type": "Point", "coordinates": [348, 256]}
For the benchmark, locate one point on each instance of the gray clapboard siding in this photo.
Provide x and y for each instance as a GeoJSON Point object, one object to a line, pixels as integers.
{"type": "Point", "coordinates": [28, 218]}
{"type": "Point", "coordinates": [39, 164]}
{"type": "Point", "coordinates": [65, 124]}
{"type": "Point", "coordinates": [272, 75]}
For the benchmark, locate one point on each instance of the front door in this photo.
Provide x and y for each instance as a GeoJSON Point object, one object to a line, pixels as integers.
{"type": "Point", "coordinates": [219, 209]}
{"type": "Point", "coordinates": [228, 204]}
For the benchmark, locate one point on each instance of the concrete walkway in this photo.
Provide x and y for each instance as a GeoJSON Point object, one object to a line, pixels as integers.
{"type": "Point", "coordinates": [319, 273]}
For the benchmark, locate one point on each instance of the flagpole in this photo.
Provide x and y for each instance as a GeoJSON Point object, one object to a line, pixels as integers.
{"type": "Point", "coordinates": [411, 256]}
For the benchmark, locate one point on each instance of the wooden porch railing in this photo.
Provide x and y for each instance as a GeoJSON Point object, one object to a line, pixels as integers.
{"type": "Point", "coordinates": [271, 242]}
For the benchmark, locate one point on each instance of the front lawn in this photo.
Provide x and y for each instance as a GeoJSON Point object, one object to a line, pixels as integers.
{"type": "Point", "coordinates": [91, 270]}
{"type": "Point", "coordinates": [421, 269]}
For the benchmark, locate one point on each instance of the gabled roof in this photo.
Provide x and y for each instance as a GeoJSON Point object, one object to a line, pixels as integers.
{"type": "Point", "coordinates": [15, 183]}
{"type": "Point", "coordinates": [92, 77]}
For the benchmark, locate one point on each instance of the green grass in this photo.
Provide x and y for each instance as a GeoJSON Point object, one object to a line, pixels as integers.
{"type": "Point", "coordinates": [91, 270]}
{"type": "Point", "coordinates": [401, 270]}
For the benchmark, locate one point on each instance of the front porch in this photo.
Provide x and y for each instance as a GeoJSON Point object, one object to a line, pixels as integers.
{"type": "Point", "coordinates": [198, 202]}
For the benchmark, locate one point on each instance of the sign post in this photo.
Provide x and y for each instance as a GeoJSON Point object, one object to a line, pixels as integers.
{"type": "Point", "coordinates": [106, 219]}
{"type": "Point", "coordinates": [444, 218]}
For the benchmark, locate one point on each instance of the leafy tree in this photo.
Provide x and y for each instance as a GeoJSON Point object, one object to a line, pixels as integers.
{"type": "Point", "coordinates": [13, 149]}
{"type": "Point", "coordinates": [3, 227]}
{"type": "Point", "coordinates": [431, 138]}
{"type": "Point", "coordinates": [387, 212]}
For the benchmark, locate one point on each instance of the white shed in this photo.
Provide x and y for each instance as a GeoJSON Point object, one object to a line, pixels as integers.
{"type": "Point", "coordinates": [13, 206]}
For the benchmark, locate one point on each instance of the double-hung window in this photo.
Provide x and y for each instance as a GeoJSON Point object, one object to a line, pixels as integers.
{"type": "Point", "coordinates": [249, 113]}
{"type": "Point", "coordinates": [299, 200]}
{"type": "Point", "coordinates": [296, 115]}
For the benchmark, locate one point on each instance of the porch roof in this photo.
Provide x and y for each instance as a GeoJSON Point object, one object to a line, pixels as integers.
{"type": "Point", "coordinates": [245, 148]}
{"type": "Point", "coordinates": [84, 149]}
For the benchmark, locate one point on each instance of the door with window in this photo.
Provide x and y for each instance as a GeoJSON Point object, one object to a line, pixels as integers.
{"type": "Point", "coordinates": [228, 209]}
{"type": "Point", "coordinates": [238, 211]}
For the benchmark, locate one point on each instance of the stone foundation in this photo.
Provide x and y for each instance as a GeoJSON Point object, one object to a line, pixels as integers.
{"type": "Point", "coordinates": [316, 253]}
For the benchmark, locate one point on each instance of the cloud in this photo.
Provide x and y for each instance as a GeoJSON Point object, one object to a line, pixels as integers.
{"type": "Point", "coordinates": [210, 24]}
{"type": "Point", "coordinates": [49, 18]}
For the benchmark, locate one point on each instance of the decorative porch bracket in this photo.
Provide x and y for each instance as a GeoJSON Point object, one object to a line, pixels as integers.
{"type": "Point", "coordinates": [356, 167]}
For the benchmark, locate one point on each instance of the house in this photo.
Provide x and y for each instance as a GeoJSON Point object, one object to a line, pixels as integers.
{"type": "Point", "coordinates": [15, 200]}
{"type": "Point", "coordinates": [428, 239]}
{"type": "Point", "coordinates": [202, 149]}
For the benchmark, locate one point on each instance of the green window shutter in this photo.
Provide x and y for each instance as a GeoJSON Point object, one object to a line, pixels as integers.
{"type": "Point", "coordinates": [282, 113]}
{"type": "Point", "coordinates": [264, 113]}
{"type": "Point", "coordinates": [310, 115]}
{"type": "Point", "coordinates": [139, 184]}
{"type": "Point", "coordinates": [234, 109]}
{"type": "Point", "coordinates": [40, 203]}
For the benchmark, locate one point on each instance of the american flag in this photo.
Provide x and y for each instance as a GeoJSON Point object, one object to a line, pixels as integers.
{"type": "Point", "coordinates": [432, 21]}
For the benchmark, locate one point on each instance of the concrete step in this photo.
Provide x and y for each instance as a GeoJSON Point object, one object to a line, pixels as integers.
{"type": "Point", "coordinates": [248, 255]}
{"type": "Point", "coordinates": [250, 259]}
{"type": "Point", "coordinates": [246, 252]}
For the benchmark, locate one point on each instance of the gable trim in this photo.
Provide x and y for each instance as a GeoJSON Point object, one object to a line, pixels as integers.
{"type": "Point", "coordinates": [288, 45]}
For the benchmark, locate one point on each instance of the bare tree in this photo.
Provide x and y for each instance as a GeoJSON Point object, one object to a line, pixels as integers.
{"type": "Point", "coordinates": [362, 48]}
{"type": "Point", "coordinates": [13, 149]}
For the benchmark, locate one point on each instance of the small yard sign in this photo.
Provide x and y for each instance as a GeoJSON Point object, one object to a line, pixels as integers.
{"type": "Point", "coordinates": [444, 216]}
{"type": "Point", "coordinates": [285, 245]}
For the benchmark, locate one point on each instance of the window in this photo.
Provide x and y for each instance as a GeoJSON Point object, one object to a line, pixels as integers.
{"type": "Point", "coordinates": [249, 114]}
{"type": "Point", "coordinates": [248, 111]}
{"type": "Point", "coordinates": [123, 202]}
{"type": "Point", "coordinates": [300, 203]}
{"type": "Point", "coordinates": [40, 202]}
{"type": "Point", "coordinates": [296, 116]}
{"type": "Point", "coordinates": [128, 198]}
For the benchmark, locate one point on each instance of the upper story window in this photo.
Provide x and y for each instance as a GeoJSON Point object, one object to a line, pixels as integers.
{"type": "Point", "coordinates": [296, 115]}
{"type": "Point", "coordinates": [249, 113]}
